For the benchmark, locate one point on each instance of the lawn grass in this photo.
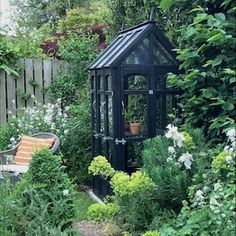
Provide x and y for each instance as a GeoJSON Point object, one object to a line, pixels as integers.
{"type": "Point", "coordinates": [82, 202]}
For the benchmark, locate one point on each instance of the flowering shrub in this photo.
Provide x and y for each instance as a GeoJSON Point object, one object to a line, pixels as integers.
{"type": "Point", "coordinates": [100, 166]}
{"type": "Point", "coordinates": [152, 233]}
{"type": "Point", "coordinates": [124, 185]}
{"type": "Point", "coordinates": [227, 157]}
{"type": "Point", "coordinates": [209, 207]}
{"type": "Point", "coordinates": [100, 212]}
{"type": "Point", "coordinates": [221, 160]}
{"type": "Point", "coordinates": [40, 118]}
{"type": "Point", "coordinates": [131, 195]}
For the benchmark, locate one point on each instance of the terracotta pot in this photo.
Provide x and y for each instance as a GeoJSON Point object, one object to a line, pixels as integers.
{"type": "Point", "coordinates": [135, 128]}
{"type": "Point", "coordinates": [126, 126]}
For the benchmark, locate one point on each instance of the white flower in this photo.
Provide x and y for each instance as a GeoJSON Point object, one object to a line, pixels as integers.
{"type": "Point", "coordinates": [187, 159]}
{"type": "Point", "coordinates": [229, 159]}
{"type": "Point", "coordinates": [12, 139]}
{"type": "Point", "coordinates": [217, 186]}
{"type": "Point", "coordinates": [199, 195]}
{"type": "Point", "coordinates": [66, 192]}
{"type": "Point", "coordinates": [171, 150]}
{"type": "Point", "coordinates": [173, 133]}
{"type": "Point", "coordinates": [231, 134]}
{"type": "Point", "coordinates": [214, 202]}
{"type": "Point", "coordinates": [169, 159]}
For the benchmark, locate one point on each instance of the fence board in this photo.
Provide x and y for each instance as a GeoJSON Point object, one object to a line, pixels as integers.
{"type": "Point", "coordinates": [20, 84]}
{"type": "Point", "coordinates": [11, 96]}
{"type": "Point", "coordinates": [38, 78]}
{"type": "Point", "coordinates": [56, 68]}
{"type": "Point", "coordinates": [34, 77]}
{"type": "Point", "coordinates": [3, 110]}
{"type": "Point", "coordinates": [29, 71]}
{"type": "Point", "coordinates": [47, 76]}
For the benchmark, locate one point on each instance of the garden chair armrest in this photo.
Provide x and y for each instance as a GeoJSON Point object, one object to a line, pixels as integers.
{"type": "Point", "coordinates": [3, 155]}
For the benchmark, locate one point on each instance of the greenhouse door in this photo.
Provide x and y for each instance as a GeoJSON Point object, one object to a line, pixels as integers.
{"type": "Point", "coordinates": [136, 99]}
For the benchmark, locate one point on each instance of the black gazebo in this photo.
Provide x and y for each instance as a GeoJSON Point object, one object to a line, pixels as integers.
{"type": "Point", "coordinates": [128, 83]}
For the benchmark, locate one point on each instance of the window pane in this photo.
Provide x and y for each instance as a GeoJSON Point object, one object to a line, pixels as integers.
{"type": "Point", "coordinates": [135, 112]}
{"type": "Point", "coordinates": [140, 55]}
{"type": "Point", "coordinates": [161, 56]}
{"type": "Point", "coordinates": [102, 103]}
{"type": "Point", "coordinates": [135, 82]}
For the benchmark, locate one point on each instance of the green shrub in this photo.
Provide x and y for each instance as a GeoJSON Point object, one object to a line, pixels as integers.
{"type": "Point", "coordinates": [100, 166]}
{"type": "Point", "coordinates": [100, 212]}
{"type": "Point", "coordinates": [151, 233]}
{"type": "Point", "coordinates": [78, 51]}
{"type": "Point", "coordinates": [132, 196]}
{"type": "Point", "coordinates": [77, 146]}
{"type": "Point", "coordinates": [5, 204]}
{"type": "Point", "coordinates": [6, 133]}
{"type": "Point", "coordinates": [44, 197]}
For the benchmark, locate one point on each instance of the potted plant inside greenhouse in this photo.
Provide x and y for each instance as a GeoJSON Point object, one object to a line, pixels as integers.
{"type": "Point", "coordinates": [132, 122]}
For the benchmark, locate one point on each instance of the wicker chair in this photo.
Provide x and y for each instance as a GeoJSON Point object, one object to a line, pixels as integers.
{"type": "Point", "coordinates": [19, 169]}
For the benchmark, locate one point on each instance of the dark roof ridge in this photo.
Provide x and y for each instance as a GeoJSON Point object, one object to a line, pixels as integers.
{"type": "Point", "coordinates": [137, 26]}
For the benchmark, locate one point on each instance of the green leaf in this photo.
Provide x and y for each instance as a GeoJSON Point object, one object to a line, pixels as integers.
{"type": "Point", "coordinates": [167, 4]}
{"type": "Point", "coordinates": [200, 18]}
{"type": "Point", "coordinates": [232, 80]}
{"type": "Point", "coordinates": [9, 70]}
{"type": "Point", "coordinates": [228, 106]}
{"type": "Point", "coordinates": [216, 37]}
{"type": "Point", "coordinates": [217, 103]}
{"type": "Point", "coordinates": [229, 71]}
{"type": "Point", "coordinates": [209, 92]}
{"type": "Point", "coordinates": [220, 16]}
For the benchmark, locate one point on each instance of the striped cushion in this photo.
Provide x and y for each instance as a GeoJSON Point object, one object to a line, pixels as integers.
{"type": "Point", "coordinates": [27, 146]}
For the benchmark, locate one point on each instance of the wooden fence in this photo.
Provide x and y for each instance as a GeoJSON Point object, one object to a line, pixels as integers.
{"type": "Point", "coordinates": [34, 78]}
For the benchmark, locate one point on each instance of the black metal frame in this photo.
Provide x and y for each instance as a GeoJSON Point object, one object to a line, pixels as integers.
{"type": "Point", "coordinates": [109, 68]}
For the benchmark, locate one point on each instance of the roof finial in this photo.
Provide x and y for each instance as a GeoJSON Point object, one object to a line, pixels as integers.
{"type": "Point", "coordinates": [152, 14]}
{"type": "Point", "coordinates": [122, 26]}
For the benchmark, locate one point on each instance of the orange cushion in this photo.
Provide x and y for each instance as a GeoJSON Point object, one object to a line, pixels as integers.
{"type": "Point", "coordinates": [28, 145]}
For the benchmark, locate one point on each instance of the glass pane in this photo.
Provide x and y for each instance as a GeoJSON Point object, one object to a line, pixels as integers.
{"type": "Point", "coordinates": [110, 117]}
{"type": "Point", "coordinates": [135, 114]}
{"type": "Point", "coordinates": [140, 55]}
{"type": "Point", "coordinates": [135, 82]}
{"type": "Point", "coordinates": [94, 111]}
{"type": "Point", "coordinates": [134, 155]}
{"type": "Point", "coordinates": [108, 82]}
{"type": "Point", "coordinates": [92, 82]}
{"type": "Point", "coordinates": [172, 109]}
{"type": "Point", "coordinates": [102, 103]}
{"type": "Point", "coordinates": [161, 56]}
{"type": "Point", "coordinates": [160, 82]}
{"type": "Point", "coordinates": [100, 82]}
{"type": "Point", "coordinates": [158, 115]}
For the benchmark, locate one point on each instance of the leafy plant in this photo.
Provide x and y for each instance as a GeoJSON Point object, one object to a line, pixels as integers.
{"type": "Point", "coordinates": [47, 197]}
{"type": "Point", "coordinates": [209, 78]}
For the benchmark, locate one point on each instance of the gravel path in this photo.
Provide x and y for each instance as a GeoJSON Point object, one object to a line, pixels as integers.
{"type": "Point", "coordinates": [90, 228]}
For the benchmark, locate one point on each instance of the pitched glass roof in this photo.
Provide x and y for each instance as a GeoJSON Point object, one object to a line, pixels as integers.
{"type": "Point", "coordinates": [137, 40]}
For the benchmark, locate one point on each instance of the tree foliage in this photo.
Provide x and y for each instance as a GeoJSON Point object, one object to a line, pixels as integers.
{"type": "Point", "coordinates": [34, 13]}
